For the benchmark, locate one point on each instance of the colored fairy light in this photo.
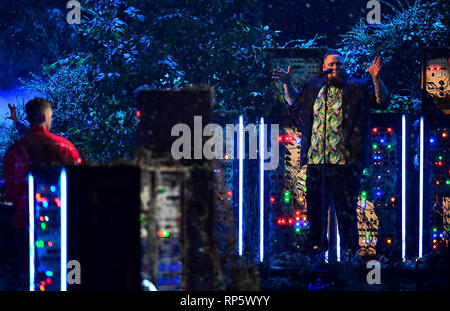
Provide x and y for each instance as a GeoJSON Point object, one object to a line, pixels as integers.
{"type": "Point", "coordinates": [363, 195]}
{"type": "Point", "coordinates": [382, 141]}
{"type": "Point", "coordinates": [49, 273]}
{"type": "Point", "coordinates": [389, 130]}
{"type": "Point", "coordinates": [45, 204]}
{"type": "Point", "coordinates": [41, 288]}
{"type": "Point", "coordinates": [280, 138]}
{"type": "Point", "coordinates": [229, 193]}
{"type": "Point", "coordinates": [444, 134]}
{"type": "Point", "coordinates": [226, 157]}
{"type": "Point", "coordinates": [440, 157]}
{"type": "Point", "coordinates": [389, 241]}
{"type": "Point", "coordinates": [58, 202]}
{"type": "Point", "coordinates": [366, 171]}
{"type": "Point", "coordinates": [163, 233]}
{"type": "Point", "coordinates": [52, 188]}
{"type": "Point", "coordinates": [375, 130]}
{"type": "Point", "coordinates": [374, 146]}
{"type": "Point", "coordinates": [447, 182]}
{"type": "Point", "coordinates": [392, 199]}
{"type": "Point", "coordinates": [48, 281]}
{"type": "Point", "coordinates": [43, 226]}
{"type": "Point", "coordinates": [39, 244]}
{"type": "Point", "coordinates": [41, 218]}
{"type": "Point", "coordinates": [138, 113]}
{"type": "Point", "coordinates": [50, 243]}
{"type": "Point", "coordinates": [288, 138]}
{"type": "Point", "coordinates": [378, 193]}
{"type": "Point", "coordinates": [434, 229]}
{"type": "Point", "coordinates": [290, 221]}
{"type": "Point", "coordinates": [297, 230]}
{"type": "Point", "coordinates": [389, 146]}
{"type": "Point", "coordinates": [432, 140]}
{"type": "Point", "coordinates": [272, 199]}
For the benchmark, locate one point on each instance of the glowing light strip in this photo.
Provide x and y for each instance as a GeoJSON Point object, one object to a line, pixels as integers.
{"type": "Point", "coordinates": [261, 190]}
{"type": "Point", "coordinates": [421, 155]}
{"type": "Point", "coordinates": [241, 179]}
{"type": "Point", "coordinates": [31, 228]}
{"type": "Point", "coordinates": [403, 187]}
{"type": "Point", "coordinates": [338, 242]}
{"type": "Point", "coordinates": [63, 187]}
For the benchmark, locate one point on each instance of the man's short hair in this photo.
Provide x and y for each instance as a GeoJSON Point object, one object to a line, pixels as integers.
{"type": "Point", "coordinates": [36, 108]}
{"type": "Point", "coordinates": [332, 52]}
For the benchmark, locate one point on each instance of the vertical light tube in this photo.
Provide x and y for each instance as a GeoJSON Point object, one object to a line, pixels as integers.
{"type": "Point", "coordinates": [338, 242]}
{"type": "Point", "coordinates": [421, 156]}
{"type": "Point", "coordinates": [403, 187]}
{"type": "Point", "coordinates": [63, 187]}
{"type": "Point", "coordinates": [241, 181]}
{"type": "Point", "coordinates": [261, 189]}
{"type": "Point", "coordinates": [31, 229]}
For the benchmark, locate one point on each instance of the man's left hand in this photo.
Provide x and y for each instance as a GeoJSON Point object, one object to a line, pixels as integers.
{"type": "Point", "coordinates": [375, 68]}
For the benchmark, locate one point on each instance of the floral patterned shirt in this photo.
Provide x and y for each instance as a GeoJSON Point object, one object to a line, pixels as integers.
{"type": "Point", "coordinates": [335, 149]}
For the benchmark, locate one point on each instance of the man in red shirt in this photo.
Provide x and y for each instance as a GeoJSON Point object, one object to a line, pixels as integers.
{"type": "Point", "coordinates": [37, 147]}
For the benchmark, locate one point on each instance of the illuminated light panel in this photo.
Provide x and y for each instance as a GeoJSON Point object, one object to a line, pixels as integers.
{"type": "Point", "coordinates": [63, 188]}
{"type": "Point", "coordinates": [261, 189]}
{"type": "Point", "coordinates": [241, 182]}
{"type": "Point", "coordinates": [31, 229]}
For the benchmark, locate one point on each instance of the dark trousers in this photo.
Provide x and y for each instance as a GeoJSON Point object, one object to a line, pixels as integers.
{"type": "Point", "coordinates": [342, 187]}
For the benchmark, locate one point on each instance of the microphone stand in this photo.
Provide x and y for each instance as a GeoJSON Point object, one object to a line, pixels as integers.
{"type": "Point", "coordinates": [323, 207]}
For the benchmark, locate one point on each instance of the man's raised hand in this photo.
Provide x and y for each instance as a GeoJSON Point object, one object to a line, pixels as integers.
{"type": "Point", "coordinates": [375, 68]}
{"type": "Point", "coordinates": [12, 111]}
{"type": "Point", "coordinates": [280, 75]}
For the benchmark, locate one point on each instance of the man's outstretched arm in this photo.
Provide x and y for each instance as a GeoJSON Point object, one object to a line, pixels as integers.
{"type": "Point", "coordinates": [381, 92]}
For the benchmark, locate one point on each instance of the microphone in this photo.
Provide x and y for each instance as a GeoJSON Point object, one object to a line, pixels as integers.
{"type": "Point", "coordinates": [326, 72]}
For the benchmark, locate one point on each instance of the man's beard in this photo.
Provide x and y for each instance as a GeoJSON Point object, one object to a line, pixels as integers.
{"type": "Point", "coordinates": [337, 81]}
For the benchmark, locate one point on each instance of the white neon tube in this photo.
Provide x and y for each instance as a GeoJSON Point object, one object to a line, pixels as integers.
{"type": "Point", "coordinates": [31, 229]}
{"type": "Point", "coordinates": [241, 181]}
{"type": "Point", "coordinates": [421, 156]}
{"type": "Point", "coordinates": [403, 187]}
{"type": "Point", "coordinates": [261, 190]}
{"type": "Point", "coordinates": [63, 187]}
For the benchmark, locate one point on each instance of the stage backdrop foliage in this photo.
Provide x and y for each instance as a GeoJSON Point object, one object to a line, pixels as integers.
{"type": "Point", "coordinates": [91, 71]}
